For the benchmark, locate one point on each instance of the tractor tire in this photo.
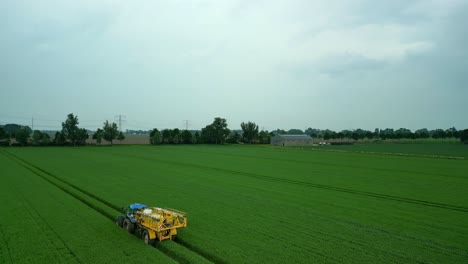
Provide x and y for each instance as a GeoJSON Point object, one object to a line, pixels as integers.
{"type": "Point", "coordinates": [129, 226]}
{"type": "Point", "coordinates": [119, 220]}
{"type": "Point", "coordinates": [146, 238]}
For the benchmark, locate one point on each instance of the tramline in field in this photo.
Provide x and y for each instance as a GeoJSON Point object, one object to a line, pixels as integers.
{"type": "Point", "coordinates": [152, 223]}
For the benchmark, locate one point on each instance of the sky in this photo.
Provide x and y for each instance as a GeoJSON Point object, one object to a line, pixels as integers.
{"type": "Point", "coordinates": [335, 64]}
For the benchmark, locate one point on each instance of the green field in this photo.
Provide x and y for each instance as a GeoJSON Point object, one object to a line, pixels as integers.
{"type": "Point", "coordinates": [422, 149]}
{"type": "Point", "coordinates": [245, 204]}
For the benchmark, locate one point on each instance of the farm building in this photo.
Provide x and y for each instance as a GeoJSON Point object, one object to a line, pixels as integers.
{"type": "Point", "coordinates": [291, 140]}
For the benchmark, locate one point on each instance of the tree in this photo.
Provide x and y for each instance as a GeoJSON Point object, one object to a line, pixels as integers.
{"type": "Point", "coordinates": [452, 132]}
{"type": "Point", "coordinates": [98, 135]}
{"type": "Point", "coordinates": [22, 136]}
{"type": "Point", "coordinates": [464, 136]}
{"type": "Point", "coordinates": [387, 133]}
{"type": "Point", "coordinates": [295, 132]}
{"type": "Point", "coordinates": [216, 132]}
{"type": "Point", "coordinates": [59, 139]}
{"type": "Point", "coordinates": [220, 129]}
{"type": "Point", "coordinates": [403, 133]}
{"type": "Point", "coordinates": [166, 136]}
{"type": "Point", "coordinates": [186, 137]}
{"type": "Point", "coordinates": [11, 129]}
{"type": "Point", "coordinates": [280, 131]}
{"type": "Point", "coordinates": [45, 139]}
{"type": "Point", "coordinates": [249, 131]}
{"type": "Point", "coordinates": [264, 137]}
{"type": "Point", "coordinates": [313, 132]}
{"type": "Point", "coordinates": [208, 134]}
{"type": "Point", "coordinates": [233, 138]}
{"type": "Point", "coordinates": [340, 135]}
{"type": "Point", "coordinates": [421, 133]}
{"type": "Point", "coordinates": [37, 137]}
{"type": "Point", "coordinates": [4, 137]}
{"type": "Point", "coordinates": [361, 134]}
{"type": "Point", "coordinates": [196, 138]}
{"type": "Point", "coordinates": [110, 131]}
{"type": "Point", "coordinates": [3, 134]}
{"type": "Point", "coordinates": [347, 133]}
{"type": "Point", "coordinates": [81, 136]}
{"type": "Point", "coordinates": [438, 133]}
{"type": "Point", "coordinates": [121, 137]}
{"type": "Point", "coordinates": [151, 135]}
{"type": "Point", "coordinates": [377, 133]}
{"type": "Point", "coordinates": [155, 137]}
{"type": "Point", "coordinates": [175, 135]}
{"type": "Point", "coordinates": [70, 128]}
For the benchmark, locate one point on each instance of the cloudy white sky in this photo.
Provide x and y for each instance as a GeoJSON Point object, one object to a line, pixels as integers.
{"type": "Point", "coordinates": [282, 64]}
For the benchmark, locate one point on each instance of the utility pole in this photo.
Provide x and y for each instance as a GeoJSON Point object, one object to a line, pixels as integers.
{"type": "Point", "coordinates": [121, 119]}
{"type": "Point", "coordinates": [186, 124]}
{"type": "Point", "coordinates": [32, 123]}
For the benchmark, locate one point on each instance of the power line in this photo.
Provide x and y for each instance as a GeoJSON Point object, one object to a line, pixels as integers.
{"type": "Point", "coordinates": [15, 117]}
{"type": "Point", "coordinates": [92, 121]}
{"type": "Point", "coordinates": [51, 124]}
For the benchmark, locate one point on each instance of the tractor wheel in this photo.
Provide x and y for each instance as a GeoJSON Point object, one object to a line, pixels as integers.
{"type": "Point", "coordinates": [129, 226]}
{"type": "Point", "coordinates": [146, 238]}
{"type": "Point", "coordinates": [119, 220]}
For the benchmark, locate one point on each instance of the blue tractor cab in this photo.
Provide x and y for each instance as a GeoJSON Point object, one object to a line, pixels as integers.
{"type": "Point", "coordinates": [131, 210]}
{"type": "Point", "coordinates": [137, 206]}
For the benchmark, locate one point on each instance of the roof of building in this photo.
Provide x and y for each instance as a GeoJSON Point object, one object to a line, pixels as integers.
{"type": "Point", "coordinates": [295, 137]}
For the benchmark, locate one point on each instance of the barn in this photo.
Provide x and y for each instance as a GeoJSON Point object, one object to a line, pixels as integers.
{"type": "Point", "coordinates": [291, 140]}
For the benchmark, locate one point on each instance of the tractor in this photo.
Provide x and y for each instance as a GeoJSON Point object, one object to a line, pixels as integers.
{"type": "Point", "coordinates": [152, 223]}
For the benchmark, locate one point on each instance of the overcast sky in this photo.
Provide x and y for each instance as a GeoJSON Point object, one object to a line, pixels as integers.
{"type": "Point", "coordinates": [282, 64]}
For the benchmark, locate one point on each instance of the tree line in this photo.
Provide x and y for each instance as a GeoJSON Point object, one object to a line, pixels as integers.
{"type": "Point", "coordinates": [70, 135]}
{"type": "Point", "coordinates": [219, 133]}
{"type": "Point", "coordinates": [384, 134]}
{"type": "Point", "coordinates": [215, 133]}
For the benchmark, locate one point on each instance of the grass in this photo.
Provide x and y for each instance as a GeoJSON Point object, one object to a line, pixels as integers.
{"type": "Point", "coordinates": [248, 204]}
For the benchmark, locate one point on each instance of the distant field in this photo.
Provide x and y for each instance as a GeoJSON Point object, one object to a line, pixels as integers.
{"type": "Point", "coordinates": [129, 139]}
{"type": "Point", "coordinates": [429, 149]}
{"type": "Point", "coordinates": [245, 204]}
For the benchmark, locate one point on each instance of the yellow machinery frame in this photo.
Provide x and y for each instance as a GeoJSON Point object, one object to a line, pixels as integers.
{"type": "Point", "coordinates": [160, 223]}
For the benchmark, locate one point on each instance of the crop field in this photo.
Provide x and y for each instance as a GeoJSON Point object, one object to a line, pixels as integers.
{"type": "Point", "coordinates": [245, 204]}
{"type": "Point", "coordinates": [421, 149]}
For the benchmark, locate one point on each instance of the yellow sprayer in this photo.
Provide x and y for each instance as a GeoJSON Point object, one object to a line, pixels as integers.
{"type": "Point", "coordinates": [153, 223]}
